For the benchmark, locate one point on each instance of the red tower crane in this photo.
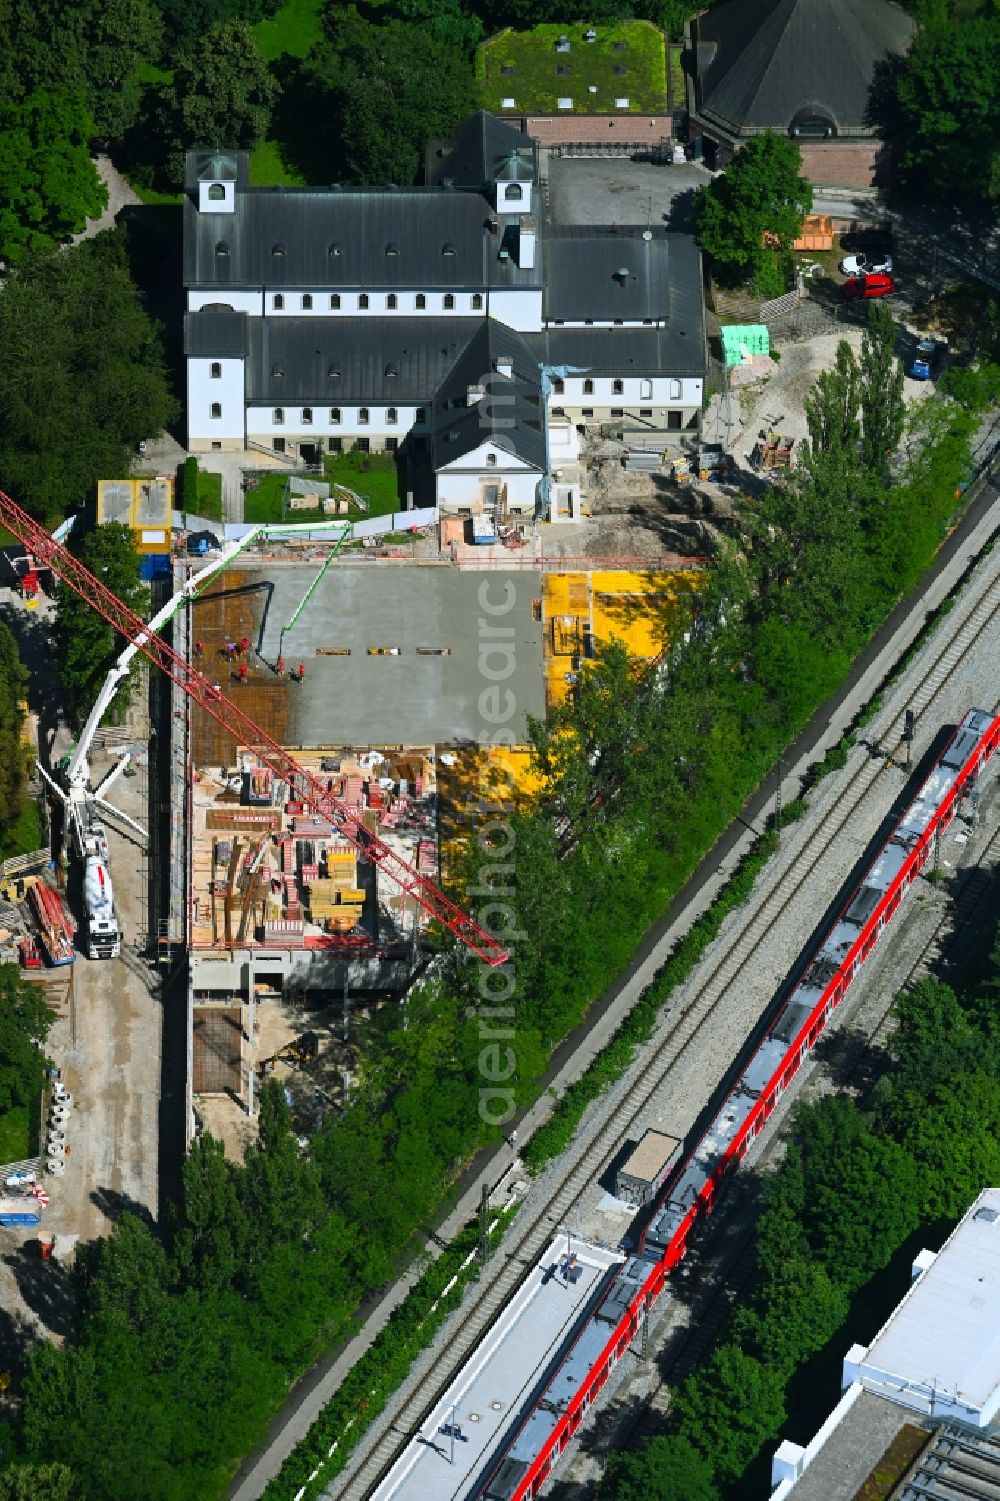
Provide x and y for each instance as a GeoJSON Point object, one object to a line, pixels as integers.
{"type": "Point", "coordinates": [309, 789]}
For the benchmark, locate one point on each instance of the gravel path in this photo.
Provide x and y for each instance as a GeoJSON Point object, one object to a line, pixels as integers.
{"type": "Point", "coordinates": [119, 195]}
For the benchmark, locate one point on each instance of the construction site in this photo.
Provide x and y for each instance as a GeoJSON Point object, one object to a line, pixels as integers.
{"type": "Point", "coordinates": [374, 680]}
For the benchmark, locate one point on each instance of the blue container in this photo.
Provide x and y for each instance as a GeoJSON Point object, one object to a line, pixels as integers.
{"type": "Point", "coordinates": [154, 566]}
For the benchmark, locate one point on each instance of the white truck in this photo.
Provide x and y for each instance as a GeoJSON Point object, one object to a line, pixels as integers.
{"type": "Point", "coordinates": [103, 935]}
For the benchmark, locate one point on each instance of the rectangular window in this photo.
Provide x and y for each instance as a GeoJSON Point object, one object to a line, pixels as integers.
{"type": "Point", "coordinates": [216, 447]}
{"type": "Point", "coordinates": [675, 390]}
{"type": "Point", "coordinates": [645, 390]}
{"type": "Point", "coordinates": [363, 445]}
{"type": "Point", "coordinates": [645, 411]}
{"type": "Point", "coordinates": [558, 411]}
{"type": "Point", "coordinates": [420, 415]}
{"type": "Point", "coordinates": [617, 411]}
{"type": "Point", "coordinates": [588, 388]}
{"type": "Point", "coordinates": [335, 415]}
{"type": "Point", "coordinates": [586, 411]}
{"type": "Point", "coordinates": [558, 387]}
{"type": "Point", "coordinates": [278, 445]}
{"type": "Point", "coordinates": [618, 388]}
{"type": "Point", "coordinates": [334, 445]}
{"type": "Point", "coordinates": [391, 444]}
{"type": "Point", "coordinates": [307, 302]}
{"type": "Point", "coordinates": [216, 408]}
{"type": "Point", "coordinates": [335, 300]}
{"type": "Point", "coordinates": [216, 372]}
{"type": "Point", "coordinates": [674, 421]}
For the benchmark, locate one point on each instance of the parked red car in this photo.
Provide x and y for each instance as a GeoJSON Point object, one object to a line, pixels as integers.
{"type": "Point", "coordinates": [872, 285]}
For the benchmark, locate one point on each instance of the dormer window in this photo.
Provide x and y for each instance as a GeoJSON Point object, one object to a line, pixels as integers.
{"type": "Point", "coordinates": [222, 247]}
{"type": "Point", "coordinates": [392, 250]}
{"type": "Point", "coordinates": [277, 372]}
{"type": "Point", "coordinates": [447, 250]}
{"type": "Point", "coordinates": [335, 249]}
{"type": "Point", "coordinates": [332, 372]}
{"type": "Point", "coordinates": [514, 192]}
{"type": "Point", "coordinates": [278, 250]}
{"type": "Point", "coordinates": [390, 372]}
{"type": "Point", "coordinates": [216, 192]}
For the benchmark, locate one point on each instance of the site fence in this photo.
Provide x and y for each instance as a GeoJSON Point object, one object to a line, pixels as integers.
{"type": "Point", "coordinates": [508, 562]}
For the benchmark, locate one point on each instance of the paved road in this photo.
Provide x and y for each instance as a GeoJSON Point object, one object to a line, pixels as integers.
{"type": "Point", "coordinates": [825, 729]}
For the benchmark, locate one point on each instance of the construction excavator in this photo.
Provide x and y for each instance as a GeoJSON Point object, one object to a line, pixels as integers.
{"type": "Point", "coordinates": [300, 1050]}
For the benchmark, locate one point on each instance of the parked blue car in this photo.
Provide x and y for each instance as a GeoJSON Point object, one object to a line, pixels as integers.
{"type": "Point", "coordinates": [926, 360]}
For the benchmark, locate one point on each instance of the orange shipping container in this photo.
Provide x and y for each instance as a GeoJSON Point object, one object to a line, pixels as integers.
{"type": "Point", "coordinates": [817, 233]}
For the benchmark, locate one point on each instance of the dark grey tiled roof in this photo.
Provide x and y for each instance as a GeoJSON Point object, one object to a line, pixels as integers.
{"type": "Point", "coordinates": [216, 332]}
{"type": "Point", "coordinates": [583, 267]}
{"type": "Point", "coordinates": [621, 351]}
{"type": "Point", "coordinates": [336, 361]}
{"type": "Point", "coordinates": [337, 238]}
{"type": "Point", "coordinates": [775, 57]}
{"type": "Point", "coordinates": [510, 412]}
{"type": "Point", "coordinates": [480, 152]}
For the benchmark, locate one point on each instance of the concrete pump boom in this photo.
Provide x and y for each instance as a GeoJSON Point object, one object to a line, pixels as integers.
{"type": "Point", "coordinates": [309, 789]}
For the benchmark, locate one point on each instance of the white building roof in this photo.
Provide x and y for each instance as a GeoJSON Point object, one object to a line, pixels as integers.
{"type": "Point", "coordinates": [940, 1350]}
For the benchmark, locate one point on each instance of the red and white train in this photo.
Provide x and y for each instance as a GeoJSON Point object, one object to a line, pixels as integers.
{"type": "Point", "coordinates": [554, 1411]}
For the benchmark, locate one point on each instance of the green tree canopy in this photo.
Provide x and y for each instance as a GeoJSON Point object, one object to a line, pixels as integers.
{"type": "Point", "coordinates": [25, 1020]}
{"type": "Point", "coordinates": [14, 758]}
{"type": "Point", "coordinates": [83, 379]}
{"type": "Point", "coordinates": [668, 1468]}
{"type": "Point", "coordinates": [949, 92]}
{"type": "Point", "coordinates": [86, 645]}
{"type": "Point", "coordinates": [42, 1482]}
{"type": "Point", "coordinates": [49, 186]}
{"type": "Point", "coordinates": [747, 218]}
{"type": "Point", "coordinates": [387, 90]}
{"type": "Point", "coordinates": [728, 1407]}
{"type": "Point", "coordinates": [222, 94]}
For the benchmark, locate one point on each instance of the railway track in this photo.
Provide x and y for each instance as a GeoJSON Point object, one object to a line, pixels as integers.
{"type": "Point", "coordinates": [589, 1155]}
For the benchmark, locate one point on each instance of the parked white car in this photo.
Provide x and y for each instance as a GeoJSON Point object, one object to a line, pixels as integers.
{"type": "Point", "coordinates": [866, 265]}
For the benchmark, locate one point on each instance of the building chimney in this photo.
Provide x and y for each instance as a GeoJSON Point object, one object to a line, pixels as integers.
{"type": "Point", "coordinates": [526, 243]}
{"type": "Point", "coordinates": [475, 393]}
{"type": "Point", "coordinates": [505, 366]}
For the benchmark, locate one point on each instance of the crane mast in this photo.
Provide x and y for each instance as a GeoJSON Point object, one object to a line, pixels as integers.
{"type": "Point", "coordinates": [309, 789]}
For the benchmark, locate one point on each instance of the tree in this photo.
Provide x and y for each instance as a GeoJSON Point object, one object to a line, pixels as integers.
{"type": "Point", "coordinates": [667, 1468]}
{"type": "Point", "coordinates": [25, 1021]}
{"type": "Point", "coordinates": [727, 1408]}
{"type": "Point", "coordinates": [86, 645]}
{"type": "Point", "coordinates": [222, 95]}
{"type": "Point", "coordinates": [83, 377]}
{"type": "Point", "coordinates": [386, 90]}
{"type": "Point", "coordinates": [49, 186]}
{"type": "Point", "coordinates": [949, 93]}
{"type": "Point", "coordinates": [14, 756]}
{"type": "Point", "coordinates": [880, 394]}
{"type": "Point", "coordinates": [747, 218]}
{"type": "Point", "coordinates": [41, 1482]}
{"type": "Point", "coordinates": [832, 406]}
{"type": "Point", "coordinates": [114, 40]}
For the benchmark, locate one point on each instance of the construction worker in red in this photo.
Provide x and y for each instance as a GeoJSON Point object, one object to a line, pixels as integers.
{"type": "Point", "coordinates": [199, 648]}
{"type": "Point", "coordinates": [279, 667]}
{"type": "Point", "coordinates": [244, 645]}
{"type": "Point", "coordinates": [243, 672]}
{"type": "Point", "coordinates": [301, 672]}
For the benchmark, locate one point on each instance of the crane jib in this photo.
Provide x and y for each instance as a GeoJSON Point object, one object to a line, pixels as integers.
{"type": "Point", "coordinates": [247, 733]}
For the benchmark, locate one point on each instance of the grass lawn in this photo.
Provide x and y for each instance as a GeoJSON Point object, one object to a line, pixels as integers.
{"type": "Point", "coordinates": [17, 1140]}
{"type": "Point", "coordinates": [268, 168]}
{"type": "Point", "coordinates": [372, 475]}
{"type": "Point", "coordinates": [678, 96]}
{"type": "Point", "coordinates": [209, 497]}
{"type": "Point", "coordinates": [290, 32]}
{"type": "Point", "coordinates": [535, 86]}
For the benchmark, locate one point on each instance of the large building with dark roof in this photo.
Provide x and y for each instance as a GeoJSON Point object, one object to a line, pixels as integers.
{"type": "Point", "coordinates": [449, 323]}
{"type": "Point", "coordinates": [817, 70]}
